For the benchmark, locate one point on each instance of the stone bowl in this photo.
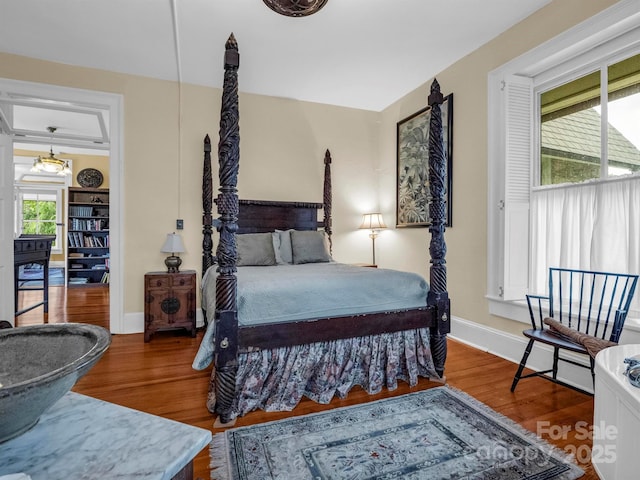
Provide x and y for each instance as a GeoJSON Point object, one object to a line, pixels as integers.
{"type": "Point", "coordinates": [39, 364]}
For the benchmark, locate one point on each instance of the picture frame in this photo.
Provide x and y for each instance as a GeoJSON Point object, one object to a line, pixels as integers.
{"type": "Point", "coordinates": [412, 174]}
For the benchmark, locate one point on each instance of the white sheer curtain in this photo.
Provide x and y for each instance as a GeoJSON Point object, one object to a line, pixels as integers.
{"type": "Point", "coordinates": [594, 226]}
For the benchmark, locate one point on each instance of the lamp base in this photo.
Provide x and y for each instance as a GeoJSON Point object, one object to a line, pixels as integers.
{"type": "Point", "coordinates": [173, 263]}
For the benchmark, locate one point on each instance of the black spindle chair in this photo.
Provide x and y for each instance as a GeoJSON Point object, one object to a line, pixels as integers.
{"type": "Point", "coordinates": [591, 308]}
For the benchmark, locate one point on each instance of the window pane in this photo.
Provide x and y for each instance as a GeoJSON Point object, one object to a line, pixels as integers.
{"type": "Point", "coordinates": [47, 210]}
{"type": "Point", "coordinates": [624, 117]}
{"type": "Point", "coordinates": [570, 132]}
{"type": "Point", "coordinates": [48, 228]}
{"type": "Point", "coordinates": [29, 210]}
{"type": "Point", "coordinates": [30, 228]}
{"type": "Point", "coordinates": [39, 214]}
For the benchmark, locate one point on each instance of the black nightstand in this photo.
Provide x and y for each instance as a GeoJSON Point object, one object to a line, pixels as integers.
{"type": "Point", "coordinates": [169, 302]}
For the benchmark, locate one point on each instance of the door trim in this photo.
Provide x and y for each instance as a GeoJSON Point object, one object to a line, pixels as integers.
{"type": "Point", "coordinates": [115, 104]}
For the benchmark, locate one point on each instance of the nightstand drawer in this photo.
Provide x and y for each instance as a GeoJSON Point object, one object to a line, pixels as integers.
{"type": "Point", "coordinates": [156, 281]}
{"type": "Point", "coordinates": [179, 280]}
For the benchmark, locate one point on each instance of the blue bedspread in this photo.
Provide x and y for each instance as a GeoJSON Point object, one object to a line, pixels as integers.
{"type": "Point", "coordinates": [316, 290]}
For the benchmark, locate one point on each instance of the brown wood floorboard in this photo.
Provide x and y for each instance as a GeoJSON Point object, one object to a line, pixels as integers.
{"type": "Point", "coordinates": [157, 378]}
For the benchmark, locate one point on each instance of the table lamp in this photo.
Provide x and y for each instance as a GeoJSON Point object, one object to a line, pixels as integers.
{"type": "Point", "coordinates": [173, 244]}
{"type": "Point", "coordinates": [373, 222]}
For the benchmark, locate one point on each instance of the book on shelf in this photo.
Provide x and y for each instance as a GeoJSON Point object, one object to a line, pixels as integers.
{"type": "Point", "coordinates": [80, 211]}
{"type": "Point", "coordinates": [76, 254]}
{"type": "Point", "coordinates": [90, 224]}
{"type": "Point", "coordinates": [79, 240]}
{"type": "Point", "coordinates": [72, 239]}
{"type": "Point", "coordinates": [105, 278]}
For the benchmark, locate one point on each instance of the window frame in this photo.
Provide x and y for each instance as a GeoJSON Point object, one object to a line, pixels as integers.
{"type": "Point", "coordinates": [561, 59]}
{"type": "Point", "coordinates": [602, 66]}
{"type": "Point", "coordinates": [21, 190]}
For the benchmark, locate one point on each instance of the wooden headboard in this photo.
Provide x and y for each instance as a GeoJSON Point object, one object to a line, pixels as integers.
{"type": "Point", "coordinates": [254, 216]}
{"type": "Point", "coordinates": [257, 216]}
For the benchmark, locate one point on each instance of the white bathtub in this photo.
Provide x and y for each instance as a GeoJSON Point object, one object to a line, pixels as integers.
{"type": "Point", "coordinates": [616, 434]}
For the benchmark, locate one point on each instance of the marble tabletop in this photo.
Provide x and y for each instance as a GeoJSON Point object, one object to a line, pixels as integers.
{"type": "Point", "coordinates": [81, 437]}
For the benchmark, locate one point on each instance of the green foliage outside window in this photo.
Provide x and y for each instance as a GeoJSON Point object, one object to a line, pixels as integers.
{"type": "Point", "coordinates": [39, 217]}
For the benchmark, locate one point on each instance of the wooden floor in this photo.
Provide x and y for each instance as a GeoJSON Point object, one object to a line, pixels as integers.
{"type": "Point", "coordinates": [80, 304]}
{"type": "Point", "coordinates": [157, 378]}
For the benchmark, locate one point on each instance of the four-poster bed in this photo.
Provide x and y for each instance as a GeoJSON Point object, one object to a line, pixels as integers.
{"type": "Point", "coordinates": [271, 365]}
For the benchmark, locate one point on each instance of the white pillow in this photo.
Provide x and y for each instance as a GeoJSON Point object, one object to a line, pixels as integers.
{"type": "Point", "coordinates": [275, 237]}
{"type": "Point", "coordinates": [284, 252]}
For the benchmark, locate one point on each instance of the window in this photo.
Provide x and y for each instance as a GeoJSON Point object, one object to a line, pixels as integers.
{"type": "Point", "coordinates": [623, 115]}
{"type": "Point", "coordinates": [585, 207]}
{"type": "Point", "coordinates": [535, 103]}
{"type": "Point", "coordinates": [39, 212]}
{"type": "Point", "coordinates": [570, 132]}
{"type": "Point", "coordinates": [572, 124]}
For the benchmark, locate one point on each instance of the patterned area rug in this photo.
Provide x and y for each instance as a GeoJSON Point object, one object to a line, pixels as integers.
{"type": "Point", "coordinates": [31, 276]}
{"type": "Point", "coordinates": [439, 433]}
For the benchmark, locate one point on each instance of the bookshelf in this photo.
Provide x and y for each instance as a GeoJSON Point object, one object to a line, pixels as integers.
{"type": "Point", "coordinates": [88, 237]}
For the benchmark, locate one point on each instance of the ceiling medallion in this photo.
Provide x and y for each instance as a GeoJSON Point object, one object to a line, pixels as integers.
{"type": "Point", "coordinates": [295, 8]}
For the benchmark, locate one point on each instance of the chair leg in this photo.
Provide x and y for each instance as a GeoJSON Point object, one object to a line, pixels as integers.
{"type": "Point", "coordinates": [593, 372]}
{"type": "Point", "coordinates": [556, 354]}
{"type": "Point", "coordinates": [523, 362]}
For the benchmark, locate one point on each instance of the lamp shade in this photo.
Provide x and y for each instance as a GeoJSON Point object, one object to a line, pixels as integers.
{"type": "Point", "coordinates": [372, 221]}
{"type": "Point", "coordinates": [51, 164]}
{"type": "Point", "coordinates": [173, 244]}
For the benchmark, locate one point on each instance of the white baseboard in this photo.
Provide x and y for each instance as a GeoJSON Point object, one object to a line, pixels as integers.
{"type": "Point", "coordinates": [133, 322]}
{"type": "Point", "coordinates": [511, 347]}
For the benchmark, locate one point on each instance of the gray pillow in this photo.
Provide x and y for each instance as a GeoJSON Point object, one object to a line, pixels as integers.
{"type": "Point", "coordinates": [284, 252]}
{"type": "Point", "coordinates": [255, 249]}
{"type": "Point", "coordinates": [310, 247]}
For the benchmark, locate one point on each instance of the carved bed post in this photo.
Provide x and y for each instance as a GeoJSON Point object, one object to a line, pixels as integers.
{"type": "Point", "coordinates": [207, 205]}
{"type": "Point", "coordinates": [438, 298]}
{"type": "Point", "coordinates": [226, 316]}
{"type": "Point", "coordinates": [326, 198]}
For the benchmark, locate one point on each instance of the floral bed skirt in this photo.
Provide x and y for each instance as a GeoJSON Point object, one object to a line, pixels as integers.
{"type": "Point", "coordinates": [277, 379]}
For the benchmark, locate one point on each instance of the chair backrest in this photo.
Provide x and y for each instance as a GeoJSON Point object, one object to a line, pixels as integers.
{"type": "Point", "coordinates": [595, 303]}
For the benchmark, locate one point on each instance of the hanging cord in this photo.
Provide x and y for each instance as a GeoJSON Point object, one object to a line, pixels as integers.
{"type": "Point", "coordinates": [176, 37]}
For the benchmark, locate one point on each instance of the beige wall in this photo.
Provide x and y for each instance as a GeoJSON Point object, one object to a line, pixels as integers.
{"type": "Point", "coordinates": [467, 79]}
{"type": "Point", "coordinates": [282, 147]}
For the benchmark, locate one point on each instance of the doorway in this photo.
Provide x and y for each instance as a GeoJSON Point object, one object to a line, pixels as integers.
{"type": "Point", "coordinates": [88, 125]}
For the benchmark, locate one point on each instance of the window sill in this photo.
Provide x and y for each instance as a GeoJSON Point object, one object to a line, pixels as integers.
{"type": "Point", "coordinates": [518, 310]}
{"type": "Point", "coordinates": [513, 310]}
{"type": "Point", "coordinates": [632, 324]}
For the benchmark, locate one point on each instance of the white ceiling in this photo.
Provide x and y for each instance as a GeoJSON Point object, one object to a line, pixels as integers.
{"type": "Point", "coordinates": [358, 53]}
{"type": "Point", "coordinates": [78, 128]}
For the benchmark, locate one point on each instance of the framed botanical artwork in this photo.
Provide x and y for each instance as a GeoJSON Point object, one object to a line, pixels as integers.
{"type": "Point", "coordinates": [413, 194]}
